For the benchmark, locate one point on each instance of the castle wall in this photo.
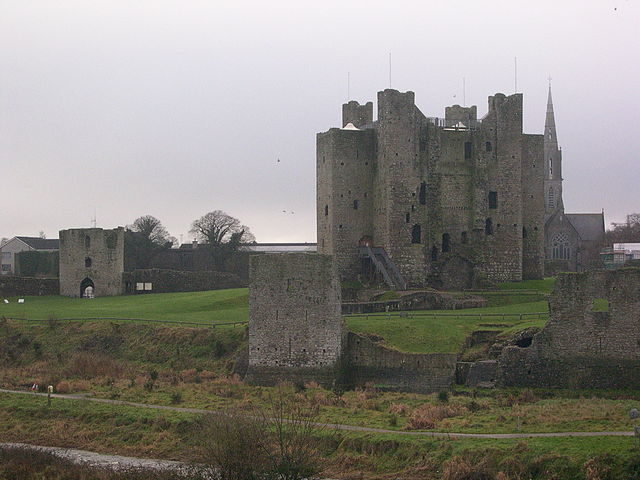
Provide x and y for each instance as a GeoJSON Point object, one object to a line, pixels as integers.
{"type": "Point", "coordinates": [393, 370]}
{"type": "Point", "coordinates": [397, 181]}
{"type": "Point", "coordinates": [533, 209]}
{"type": "Point", "coordinates": [503, 248]}
{"type": "Point", "coordinates": [165, 281]}
{"type": "Point", "coordinates": [295, 326]}
{"type": "Point", "coordinates": [582, 347]}
{"type": "Point", "coordinates": [358, 115]}
{"type": "Point", "coordinates": [450, 206]}
{"type": "Point", "coordinates": [91, 254]}
{"type": "Point", "coordinates": [344, 194]}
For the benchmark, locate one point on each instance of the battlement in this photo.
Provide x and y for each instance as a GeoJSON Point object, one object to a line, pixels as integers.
{"type": "Point", "coordinates": [358, 115]}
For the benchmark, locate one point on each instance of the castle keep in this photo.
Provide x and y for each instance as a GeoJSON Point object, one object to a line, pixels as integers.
{"type": "Point", "coordinates": [432, 201]}
{"type": "Point", "coordinates": [91, 258]}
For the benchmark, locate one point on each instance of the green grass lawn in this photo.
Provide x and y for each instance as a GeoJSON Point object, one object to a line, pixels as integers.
{"type": "Point", "coordinates": [424, 332]}
{"type": "Point", "coordinates": [545, 285]}
{"type": "Point", "coordinates": [216, 306]}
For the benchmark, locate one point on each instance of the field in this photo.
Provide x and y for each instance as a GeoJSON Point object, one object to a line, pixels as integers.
{"type": "Point", "coordinates": [217, 306]}
{"type": "Point", "coordinates": [188, 366]}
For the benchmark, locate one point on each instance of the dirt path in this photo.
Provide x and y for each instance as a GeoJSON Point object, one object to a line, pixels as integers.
{"type": "Point", "coordinates": [338, 426]}
{"type": "Point", "coordinates": [94, 459]}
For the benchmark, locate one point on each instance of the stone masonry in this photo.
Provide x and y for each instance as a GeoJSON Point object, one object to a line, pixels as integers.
{"type": "Point", "coordinates": [296, 330]}
{"type": "Point", "coordinates": [91, 257]}
{"type": "Point", "coordinates": [450, 200]}
{"type": "Point", "coordinates": [592, 339]}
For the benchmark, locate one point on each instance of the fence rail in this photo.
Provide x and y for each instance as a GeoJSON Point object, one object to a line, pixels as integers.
{"type": "Point", "coordinates": [538, 315]}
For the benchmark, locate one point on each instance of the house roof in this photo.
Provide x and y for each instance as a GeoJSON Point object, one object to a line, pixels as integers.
{"type": "Point", "coordinates": [38, 243]}
{"type": "Point", "coordinates": [590, 226]}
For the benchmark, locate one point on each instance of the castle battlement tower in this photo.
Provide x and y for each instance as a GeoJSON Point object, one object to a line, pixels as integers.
{"type": "Point", "coordinates": [422, 201]}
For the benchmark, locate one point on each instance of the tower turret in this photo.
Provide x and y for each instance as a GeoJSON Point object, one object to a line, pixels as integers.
{"type": "Point", "coordinates": [553, 163]}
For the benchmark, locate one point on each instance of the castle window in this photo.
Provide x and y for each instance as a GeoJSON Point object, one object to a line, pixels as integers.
{"type": "Point", "coordinates": [340, 226]}
{"type": "Point", "coordinates": [488, 227]}
{"type": "Point", "coordinates": [87, 262]}
{"type": "Point", "coordinates": [416, 234]}
{"type": "Point", "coordinates": [446, 242]}
{"type": "Point", "coordinates": [326, 210]}
{"type": "Point", "coordinates": [87, 241]}
{"type": "Point", "coordinates": [407, 218]}
{"type": "Point", "coordinates": [434, 253]}
{"type": "Point", "coordinates": [488, 147]}
{"type": "Point", "coordinates": [422, 193]}
{"type": "Point", "coordinates": [357, 154]}
{"type": "Point", "coordinates": [467, 150]}
{"type": "Point", "coordinates": [464, 238]}
{"type": "Point", "coordinates": [355, 204]}
{"type": "Point", "coordinates": [423, 145]}
{"type": "Point", "coordinates": [524, 232]}
{"type": "Point", "coordinates": [493, 199]}
{"type": "Point", "coordinates": [560, 247]}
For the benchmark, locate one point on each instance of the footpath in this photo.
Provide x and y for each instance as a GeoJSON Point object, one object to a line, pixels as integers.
{"type": "Point", "coordinates": [336, 426]}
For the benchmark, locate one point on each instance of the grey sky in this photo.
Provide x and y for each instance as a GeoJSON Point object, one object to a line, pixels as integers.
{"type": "Point", "coordinates": [177, 108]}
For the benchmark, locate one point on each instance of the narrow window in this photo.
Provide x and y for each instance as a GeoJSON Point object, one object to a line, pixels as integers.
{"type": "Point", "coordinates": [467, 150]}
{"type": "Point", "coordinates": [423, 145]}
{"type": "Point", "coordinates": [422, 193]}
{"type": "Point", "coordinates": [488, 147]}
{"type": "Point", "coordinates": [464, 238]}
{"type": "Point", "coordinates": [87, 261]}
{"type": "Point", "coordinates": [493, 199]}
{"type": "Point", "coordinates": [407, 218]}
{"type": "Point", "coordinates": [87, 242]}
{"type": "Point", "coordinates": [551, 168]}
{"type": "Point", "coordinates": [434, 253]}
{"type": "Point", "coordinates": [524, 232]}
{"type": "Point", "coordinates": [355, 204]}
{"type": "Point", "coordinates": [446, 242]}
{"type": "Point", "coordinates": [326, 210]}
{"type": "Point", "coordinates": [488, 227]}
{"type": "Point", "coordinates": [416, 234]}
{"type": "Point", "coordinates": [551, 199]}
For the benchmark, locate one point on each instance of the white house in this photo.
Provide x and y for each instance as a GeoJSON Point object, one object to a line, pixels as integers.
{"type": "Point", "coordinates": [21, 244]}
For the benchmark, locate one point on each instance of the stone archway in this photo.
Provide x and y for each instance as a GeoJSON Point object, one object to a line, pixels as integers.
{"type": "Point", "coordinates": [84, 285]}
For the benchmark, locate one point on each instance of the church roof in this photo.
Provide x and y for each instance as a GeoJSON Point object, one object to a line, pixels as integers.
{"type": "Point", "coordinates": [590, 226]}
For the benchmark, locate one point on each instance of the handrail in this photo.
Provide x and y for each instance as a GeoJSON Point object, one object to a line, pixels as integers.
{"type": "Point", "coordinates": [378, 264]}
{"type": "Point", "coordinates": [121, 319]}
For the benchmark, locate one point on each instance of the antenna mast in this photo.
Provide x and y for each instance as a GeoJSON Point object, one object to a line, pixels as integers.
{"type": "Point", "coordinates": [464, 92]}
{"type": "Point", "coordinates": [348, 86]}
{"type": "Point", "coordinates": [515, 73]}
{"type": "Point", "coordinates": [389, 69]}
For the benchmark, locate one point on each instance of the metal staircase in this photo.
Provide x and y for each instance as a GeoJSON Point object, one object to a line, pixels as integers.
{"type": "Point", "coordinates": [385, 266]}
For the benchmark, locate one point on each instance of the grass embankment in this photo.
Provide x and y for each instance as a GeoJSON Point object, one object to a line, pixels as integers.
{"type": "Point", "coordinates": [172, 435]}
{"type": "Point", "coordinates": [217, 306]}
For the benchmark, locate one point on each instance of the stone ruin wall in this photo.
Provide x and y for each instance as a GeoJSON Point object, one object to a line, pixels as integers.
{"type": "Point", "coordinates": [95, 254]}
{"type": "Point", "coordinates": [581, 347]}
{"type": "Point", "coordinates": [296, 331]}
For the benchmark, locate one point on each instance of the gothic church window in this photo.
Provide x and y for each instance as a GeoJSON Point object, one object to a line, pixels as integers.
{"type": "Point", "coordinates": [416, 234]}
{"type": "Point", "coordinates": [551, 198]}
{"type": "Point", "coordinates": [551, 168]}
{"type": "Point", "coordinates": [560, 246]}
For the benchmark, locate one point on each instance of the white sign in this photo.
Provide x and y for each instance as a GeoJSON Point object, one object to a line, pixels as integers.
{"type": "Point", "coordinates": [21, 300]}
{"type": "Point", "coordinates": [148, 286]}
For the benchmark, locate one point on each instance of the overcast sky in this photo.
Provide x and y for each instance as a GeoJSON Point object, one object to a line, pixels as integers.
{"type": "Point", "coordinates": [177, 108]}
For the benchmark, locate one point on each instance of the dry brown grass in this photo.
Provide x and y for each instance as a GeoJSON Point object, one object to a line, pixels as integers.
{"type": "Point", "coordinates": [427, 416]}
{"type": "Point", "coordinates": [88, 365]}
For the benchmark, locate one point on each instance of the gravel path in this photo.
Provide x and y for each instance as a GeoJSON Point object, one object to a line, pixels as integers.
{"type": "Point", "coordinates": [93, 459]}
{"type": "Point", "coordinates": [338, 426]}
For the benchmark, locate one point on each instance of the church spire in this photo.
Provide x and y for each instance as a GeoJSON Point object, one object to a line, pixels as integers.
{"type": "Point", "coordinates": [553, 162]}
{"type": "Point", "coordinates": [550, 121]}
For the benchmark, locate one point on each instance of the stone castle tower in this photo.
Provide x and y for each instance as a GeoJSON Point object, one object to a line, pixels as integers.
{"type": "Point", "coordinates": [432, 201]}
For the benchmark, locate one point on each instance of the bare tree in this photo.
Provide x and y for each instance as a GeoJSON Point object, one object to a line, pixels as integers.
{"type": "Point", "coordinates": [144, 239]}
{"type": "Point", "coordinates": [628, 232]}
{"type": "Point", "coordinates": [222, 233]}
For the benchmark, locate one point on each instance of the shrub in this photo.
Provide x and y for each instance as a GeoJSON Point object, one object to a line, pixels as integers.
{"type": "Point", "coordinates": [176, 397]}
{"type": "Point", "coordinates": [443, 396]}
{"type": "Point", "coordinates": [426, 416]}
{"type": "Point", "coordinates": [63, 387]}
